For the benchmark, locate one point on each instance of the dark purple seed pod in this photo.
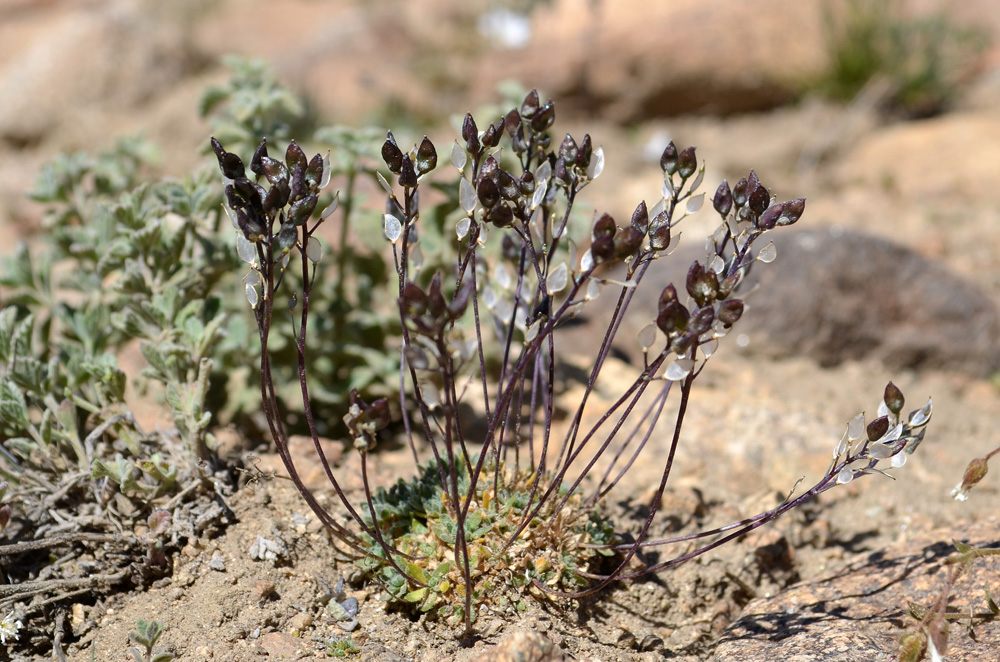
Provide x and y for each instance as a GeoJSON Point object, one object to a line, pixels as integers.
{"type": "Point", "coordinates": [672, 319]}
{"type": "Point", "coordinates": [512, 122]}
{"type": "Point", "coordinates": [277, 197]}
{"type": "Point", "coordinates": [285, 239]}
{"type": "Point", "coordinates": [667, 296]}
{"type": "Point", "coordinates": [493, 133]}
{"type": "Point", "coordinates": [740, 192]}
{"type": "Point", "coordinates": [770, 216]}
{"type": "Point", "coordinates": [460, 302]}
{"type": "Point", "coordinates": [560, 172]}
{"type": "Point", "coordinates": [488, 192]}
{"type": "Point", "coordinates": [470, 134]}
{"type": "Point", "coordinates": [414, 301]}
{"type": "Point", "coordinates": [893, 398]}
{"type": "Point", "coordinates": [530, 105]}
{"type": "Point", "coordinates": [407, 173]}
{"type": "Point", "coordinates": [640, 218]}
{"type": "Point", "coordinates": [297, 183]}
{"type": "Point", "coordinates": [687, 162]}
{"type": "Point", "coordinates": [628, 242]}
{"type": "Point", "coordinates": [759, 198]}
{"type": "Point", "coordinates": [294, 156]}
{"type": "Point", "coordinates": [585, 152]}
{"type": "Point", "coordinates": [391, 154]}
{"type": "Point", "coordinates": [232, 166]}
{"type": "Point", "coordinates": [258, 155]}
{"type": "Point", "coordinates": [668, 160]}
{"type": "Point", "coordinates": [217, 148]}
{"type": "Point", "coordinates": [501, 216]}
{"type": "Point", "coordinates": [273, 170]}
{"type": "Point", "coordinates": [730, 311]}
{"type": "Point", "coordinates": [602, 249]}
{"type": "Point", "coordinates": [509, 187]}
{"type": "Point", "coordinates": [250, 193]}
{"type": "Point", "coordinates": [793, 211]}
{"type": "Point", "coordinates": [604, 227]}
{"type": "Point", "coordinates": [701, 320]}
{"type": "Point", "coordinates": [702, 284]}
{"type": "Point", "coordinates": [568, 149]}
{"type": "Point", "coordinates": [314, 173]}
{"type": "Point", "coordinates": [659, 237]}
{"type": "Point", "coordinates": [300, 210]}
{"type": "Point", "coordinates": [378, 413]}
{"type": "Point", "coordinates": [544, 118]}
{"type": "Point", "coordinates": [723, 200]}
{"type": "Point", "coordinates": [490, 168]}
{"type": "Point", "coordinates": [251, 225]}
{"type": "Point", "coordinates": [427, 157]}
{"type": "Point", "coordinates": [659, 232]}
{"type": "Point", "coordinates": [527, 183]}
{"type": "Point", "coordinates": [752, 181]}
{"type": "Point", "coordinates": [877, 428]}
{"type": "Point", "coordinates": [436, 304]}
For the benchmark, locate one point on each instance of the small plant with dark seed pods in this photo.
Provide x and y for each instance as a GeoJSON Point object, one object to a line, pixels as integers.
{"type": "Point", "coordinates": [509, 476]}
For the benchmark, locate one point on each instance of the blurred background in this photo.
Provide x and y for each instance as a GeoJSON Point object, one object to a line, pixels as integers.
{"type": "Point", "coordinates": [886, 113]}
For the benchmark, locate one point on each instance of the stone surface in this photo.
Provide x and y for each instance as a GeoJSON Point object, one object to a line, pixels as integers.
{"type": "Point", "coordinates": [837, 295]}
{"type": "Point", "coordinates": [857, 613]}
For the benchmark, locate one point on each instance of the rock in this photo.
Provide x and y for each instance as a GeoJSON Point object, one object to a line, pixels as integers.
{"type": "Point", "coordinates": [281, 646]}
{"type": "Point", "coordinates": [523, 647]}
{"type": "Point", "coordinates": [631, 60]}
{"type": "Point", "coordinates": [836, 295]}
{"type": "Point", "coordinates": [857, 613]}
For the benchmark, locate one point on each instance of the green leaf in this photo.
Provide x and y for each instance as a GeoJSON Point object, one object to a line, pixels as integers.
{"type": "Point", "coordinates": [13, 407]}
{"type": "Point", "coordinates": [417, 595]}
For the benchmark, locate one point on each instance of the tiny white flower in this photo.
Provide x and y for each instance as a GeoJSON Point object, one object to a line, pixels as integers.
{"type": "Point", "coordinates": [9, 628]}
{"type": "Point", "coordinates": [960, 493]}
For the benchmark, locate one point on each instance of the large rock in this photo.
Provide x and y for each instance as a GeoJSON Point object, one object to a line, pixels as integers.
{"type": "Point", "coordinates": [837, 295]}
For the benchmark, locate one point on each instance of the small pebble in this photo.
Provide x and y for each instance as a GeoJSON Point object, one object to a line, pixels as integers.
{"type": "Point", "coordinates": [217, 563]}
{"type": "Point", "coordinates": [262, 590]}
